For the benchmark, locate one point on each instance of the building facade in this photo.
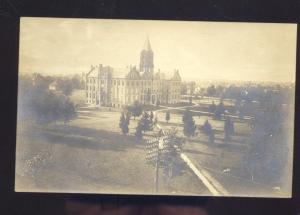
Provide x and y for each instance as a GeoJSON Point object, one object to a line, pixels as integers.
{"type": "Point", "coordinates": [114, 87]}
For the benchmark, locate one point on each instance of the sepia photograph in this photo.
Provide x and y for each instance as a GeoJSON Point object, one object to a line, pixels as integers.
{"type": "Point", "coordinates": [184, 108]}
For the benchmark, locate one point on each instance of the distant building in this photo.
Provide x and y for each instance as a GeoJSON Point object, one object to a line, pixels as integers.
{"type": "Point", "coordinates": [188, 88]}
{"type": "Point", "coordinates": [53, 86]}
{"type": "Point", "coordinates": [191, 86]}
{"type": "Point", "coordinates": [107, 86]}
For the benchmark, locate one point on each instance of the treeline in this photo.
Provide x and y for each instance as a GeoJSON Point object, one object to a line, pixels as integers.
{"type": "Point", "coordinates": [36, 102]}
{"type": "Point", "coordinates": [64, 84]}
{"type": "Point", "coordinates": [248, 92]}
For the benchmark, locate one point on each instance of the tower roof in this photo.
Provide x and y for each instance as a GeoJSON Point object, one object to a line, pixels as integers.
{"type": "Point", "coordinates": [147, 45]}
{"type": "Point", "coordinates": [176, 76]}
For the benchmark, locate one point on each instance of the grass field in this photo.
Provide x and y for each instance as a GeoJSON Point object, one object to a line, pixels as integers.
{"type": "Point", "coordinates": [91, 155]}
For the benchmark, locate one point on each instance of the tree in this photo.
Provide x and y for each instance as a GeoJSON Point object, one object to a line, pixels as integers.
{"type": "Point", "coordinates": [65, 85]}
{"type": "Point", "coordinates": [138, 132]}
{"type": "Point", "coordinates": [50, 107]}
{"type": "Point", "coordinates": [266, 159]}
{"type": "Point", "coordinates": [77, 82]}
{"type": "Point", "coordinates": [207, 128]}
{"type": "Point", "coordinates": [155, 120]}
{"type": "Point", "coordinates": [212, 107]}
{"type": "Point", "coordinates": [211, 90]}
{"type": "Point", "coordinates": [167, 116]}
{"type": "Point", "coordinates": [171, 157]}
{"type": "Point", "coordinates": [228, 129]}
{"type": "Point", "coordinates": [151, 116]}
{"type": "Point", "coordinates": [41, 82]}
{"type": "Point", "coordinates": [219, 90]}
{"type": "Point", "coordinates": [42, 105]}
{"type": "Point", "coordinates": [136, 109]}
{"type": "Point", "coordinates": [220, 109]}
{"type": "Point", "coordinates": [68, 111]}
{"type": "Point", "coordinates": [128, 116]}
{"type": "Point", "coordinates": [187, 114]}
{"type": "Point", "coordinates": [189, 126]}
{"type": "Point", "coordinates": [145, 123]}
{"type": "Point", "coordinates": [124, 122]}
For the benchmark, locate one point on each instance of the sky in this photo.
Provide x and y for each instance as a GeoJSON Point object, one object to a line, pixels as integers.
{"type": "Point", "coordinates": [199, 50]}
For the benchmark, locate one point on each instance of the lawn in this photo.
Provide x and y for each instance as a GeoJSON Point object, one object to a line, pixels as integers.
{"type": "Point", "coordinates": [91, 155]}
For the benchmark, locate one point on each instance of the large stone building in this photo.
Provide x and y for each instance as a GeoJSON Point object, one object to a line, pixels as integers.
{"type": "Point", "coordinates": [107, 86]}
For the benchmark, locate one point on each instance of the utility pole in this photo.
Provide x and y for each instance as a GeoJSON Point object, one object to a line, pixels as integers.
{"type": "Point", "coordinates": [157, 172]}
{"type": "Point", "coordinates": [160, 147]}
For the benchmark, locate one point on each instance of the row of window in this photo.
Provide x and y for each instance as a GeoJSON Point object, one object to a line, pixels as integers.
{"type": "Point", "coordinates": [92, 82]}
{"type": "Point", "coordinates": [93, 100]}
{"type": "Point", "coordinates": [91, 90]}
{"type": "Point", "coordinates": [122, 82]}
{"type": "Point", "coordinates": [91, 95]}
{"type": "Point", "coordinates": [132, 83]}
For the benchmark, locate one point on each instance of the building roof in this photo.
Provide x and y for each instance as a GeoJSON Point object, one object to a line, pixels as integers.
{"type": "Point", "coordinates": [93, 72]}
{"type": "Point", "coordinates": [120, 72]}
{"type": "Point", "coordinates": [147, 46]}
{"type": "Point", "coordinates": [132, 73]}
{"type": "Point", "coordinates": [168, 75]}
{"type": "Point", "coordinates": [159, 75]}
{"type": "Point", "coordinates": [176, 76]}
{"type": "Point", "coordinates": [146, 75]}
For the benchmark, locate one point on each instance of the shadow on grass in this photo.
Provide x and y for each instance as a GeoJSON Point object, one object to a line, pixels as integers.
{"type": "Point", "coordinates": [88, 138]}
{"type": "Point", "coordinates": [91, 114]}
{"type": "Point", "coordinates": [219, 143]}
{"type": "Point", "coordinates": [170, 124]}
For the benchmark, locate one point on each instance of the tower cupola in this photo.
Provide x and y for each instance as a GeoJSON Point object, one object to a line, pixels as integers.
{"type": "Point", "coordinates": [146, 58]}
